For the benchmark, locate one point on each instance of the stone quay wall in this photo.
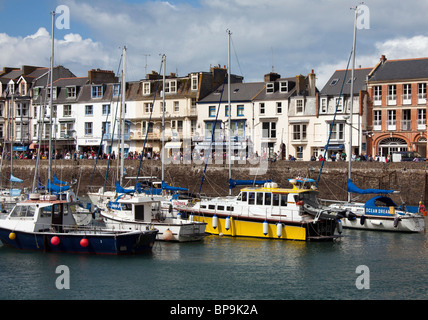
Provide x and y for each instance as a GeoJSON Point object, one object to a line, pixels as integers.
{"type": "Point", "coordinates": [409, 178]}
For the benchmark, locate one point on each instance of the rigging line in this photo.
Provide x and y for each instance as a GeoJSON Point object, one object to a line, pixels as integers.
{"type": "Point", "coordinates": [114, 127]}
{"type": "Point", "coordinates": [148, 124]}
{"type": "Point", "coordinates": [213, 132]}
{"type": "Point", "coordinates": [102, 133]}
{"type": "Point", "coordinates": [236, 56]}
{"type": "Point", "coordinates": [334, 119]}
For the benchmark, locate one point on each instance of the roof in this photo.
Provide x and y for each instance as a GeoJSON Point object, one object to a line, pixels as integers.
{"type": "Point", "coordinates": [277, 95]}
{"type": "Point", "coordinates": [404, 69]}
{"type": "Point", "coordinates": [334, 84]}
{"type": "Point", "coordinates": [240, 92]}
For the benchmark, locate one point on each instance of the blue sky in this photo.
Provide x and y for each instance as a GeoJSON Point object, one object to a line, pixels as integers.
{"type": "Point", "coordinates": [289, 37]}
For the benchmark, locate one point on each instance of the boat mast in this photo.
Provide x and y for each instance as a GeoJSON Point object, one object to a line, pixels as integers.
{"type": "Point", "coordinates": [163, 116]}
{"type": "Point", "coordinates": [122, 117]}
{"type": "Point", "coordinates": [229, 106]}
{"type": "Point", "coordinates": [51, 99]}
{"type": "Point", "coordinates": [352, 98]}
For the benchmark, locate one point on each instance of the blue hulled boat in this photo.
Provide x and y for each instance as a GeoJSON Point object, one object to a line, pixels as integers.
{"type": "Point", "coordinates": [44, 223]}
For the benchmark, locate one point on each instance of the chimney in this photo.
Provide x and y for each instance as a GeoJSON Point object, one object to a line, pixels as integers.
{"type": "Point", "coordinates": [382, 59]}
{"type": "Point", "coordinates": [311, 83]}
{"type": "Point", "coordinates": [102, 76]}
{"type": "Point", "coordinates": [272, 76]}
{"type": "Point", "coordinates": [300, 85]}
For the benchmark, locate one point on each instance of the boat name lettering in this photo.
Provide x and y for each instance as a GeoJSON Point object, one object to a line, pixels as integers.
{"type": "Point", "coordinates": [115, 205]}
{"type": "Point", "coordinates": [377, 210]}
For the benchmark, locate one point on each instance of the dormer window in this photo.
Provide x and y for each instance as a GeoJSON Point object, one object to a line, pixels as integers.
{"type": "Point", "coordinates": [11, 87]}
{"type": "Point", "coordinates": [36, 93]}
{"type": "Point", "coordinates": [171, 86]}
{"type": "Point", "coordinates": [97, 91]}
{"type": "Point", "coordinates": [270, 87]}
{"type": "Point", "coordinates": [334, 82]}
{"type": "Point", "coordinates": [146, 88]}
{"type": "Point", "coordinates": [54, 93]}
{"type": "Point", "coordinates": [71, 92]}
{"type": "Point", "coordinates": [116, 89]}
{"type": "Point", "coordinates": [283, 86]}
{"type": "Point", "coordinates": [194, 82]}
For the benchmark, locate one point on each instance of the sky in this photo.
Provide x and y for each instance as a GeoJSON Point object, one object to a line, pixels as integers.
{"type": "Point", "coordinates": [285, 36]}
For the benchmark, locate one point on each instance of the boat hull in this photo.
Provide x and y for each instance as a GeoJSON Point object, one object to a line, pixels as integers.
{"type": "Point", "coordinates": [381, 223]}
{"type": "Point", "coordinates": [268, 229]}
{"type": "Point", "coordinates": [176, 232]}
{"type": "Point", "coordinates": [108, 244]}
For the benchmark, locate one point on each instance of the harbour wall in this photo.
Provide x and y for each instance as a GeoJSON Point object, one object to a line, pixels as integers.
{"type": "Point", "coordinates": [409, 178]}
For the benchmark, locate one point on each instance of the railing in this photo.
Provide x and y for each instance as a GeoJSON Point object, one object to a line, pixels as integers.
{"type": "Point", "coordinates": [406, 125]}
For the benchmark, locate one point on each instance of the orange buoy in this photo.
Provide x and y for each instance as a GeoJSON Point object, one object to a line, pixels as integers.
{"type": "Point", "coordinates": [167, 235]}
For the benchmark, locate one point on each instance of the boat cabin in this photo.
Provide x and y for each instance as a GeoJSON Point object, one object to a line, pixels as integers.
{"type": "Point", "coordinates": [135, 208]}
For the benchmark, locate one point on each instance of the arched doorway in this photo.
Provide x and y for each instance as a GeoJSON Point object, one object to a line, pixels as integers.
{"type": "Point", "coordinates": [389, 145]}
{"type": "Point", "coordinates": [421, 146]}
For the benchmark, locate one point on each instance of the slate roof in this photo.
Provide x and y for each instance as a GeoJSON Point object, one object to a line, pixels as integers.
{"type": "Point", "coordinates": [240, 92]}
{"type": "Point", "coordinates": [334, 84]}
{"type": "Point", "coordinates": [405, 69]}
{"type": "Point", "coordinates": [277, 95]}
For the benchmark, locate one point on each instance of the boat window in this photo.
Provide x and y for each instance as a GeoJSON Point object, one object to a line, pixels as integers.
{"type": "Point", "coordinates": [260, 198]}
{"type": "Point", "coordinates": [244, 196]}
{"type": "Point", "coordinates": [239, 197]}
{"type": "Point", "coordinates": [211, 206]}
{"type": "Point", "coordinates": [203, 206]}
{"type": "Point", "coordinates": [268, 199]}
{"type": "Point", "coordinates": [275, 199]}
{"type": "Point", "coordinates": [220, 208]}
{"type": "Point", "coordinates": [284, 200]}
{"type": "Point", "coordinates": [46, 211]}
{"type": "Point", "coordinates": [251, 197]}
{"type": "Point", "coordinates": [23, 212]}
{"type": "Point", "coordinates": [229, 208]}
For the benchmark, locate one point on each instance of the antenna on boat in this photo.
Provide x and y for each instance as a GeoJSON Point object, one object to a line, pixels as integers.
{"type": "Point", "coordinates": [229, 33]}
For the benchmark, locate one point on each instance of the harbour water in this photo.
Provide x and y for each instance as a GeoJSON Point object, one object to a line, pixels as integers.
{"type": "Point", "coordinates": [222, 268]}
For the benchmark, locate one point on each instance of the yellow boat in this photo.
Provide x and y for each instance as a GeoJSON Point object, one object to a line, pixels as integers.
{"type": "Point", "coordinates": [269, 212]}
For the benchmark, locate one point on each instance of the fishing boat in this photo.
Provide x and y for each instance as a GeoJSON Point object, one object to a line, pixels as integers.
{"type": "Point", "coordinates": [139, 212]}
{"type": "Point", "coordinates": [46, 223]}
{"type": "Point", "coordinates": [267, 211]}
{"type": "Point", "coordinates": [380, 212]}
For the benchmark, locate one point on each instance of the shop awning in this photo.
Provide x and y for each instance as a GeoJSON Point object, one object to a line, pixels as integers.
{"type": "Point", "coordinates": [173, 145]}
{"type": "Point", "coordinates": [336, 147]}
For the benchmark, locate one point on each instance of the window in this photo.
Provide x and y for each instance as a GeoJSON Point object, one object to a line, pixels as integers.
{"type": "Point", "coordinates": [269, 129]}
{"type": "Point", "coordinates": [194, 82]}
{"type": "Point", "coordinates": [338, 104]}
{"type": "Point", "coordinates": [36, 93]}
{"type": "Point", "coordinates": [262, 108]}
{"type": "Point", "coordinates": [193, 126]}
{"type": "Point", "coordinates": [377, 120]}
{"type": "Point", "coordinates": [211, 111]}
{"type": "Point", "coordinates": [407, 93]}
{"type": "Point", "coordinates": [162, 107]}
{"type": "Point", "coordinates": [1, 109]}
{"type": "Point", "coordinates": [106, 127]}
{"type": "Point", "coordinates": [334, 82]}
{"type": "Point", "coordinates": [299, 132]}
{"type": "Point", "coordinates": [54, 91]}
{"type": "Point", "coordinates": [116, 90]}
{"type": "Point", "coordinates": [377, 98]}
{"type": "Point", "coordinates": [148, 107]}
{"type": "Point", "coordinates": [176, 106]}
{"type": "Point", "coordinates": [106, 109]}
{"type": "Point", "coordinates": [171, 86]}
{"type": "Point", "coordinates": [392, 120]}
{"type": "Point", "coordinates": [406, 121]}
{"type": "Point", "coordinates": [88, 129]}
{"type": "Point", "coordinates": [421, 119]}
{"type": "Point", "coordinates": [392, 94]}
{"type": "Point", "coordinates": [97, 91]}
{"type": "Point", "coordinates": [71, 92]}
{"type": "Point", "coordinates": [269, 87]}
{"type": "Point", "coordinates": [240, 111]}
{"type": "Point", "coordinates": [238, 129]}
{"type": "Point", "coordinates": [66, 110]}
{"type": "Point", "coordinates": [226, 111]}
{"type": "Point", "coordinates": [209, 126]}
{"type": "Point", "coordinates": [268, 199]}
{"type": "Point", "coordinates": [177, 125]}
{"type": "Point", "coordinates": [89, 110]}
{"type": "Point", "coordinates": [422, 93]}
{"type": "Point", "coordinates": [323, 108]}
{"type": "Point", "coordinates": [283, 86]}
{"type": "Point", "coordinates": [299, 106]}
{"type": "Point", "coordinates": [299, 154]}
{"type": "Point", "coordinates": [337, 131]}
{"type": "Point", "coordinates": [278, 107]}
{"type": "Point", "coordinates": [146, 88]}
{"type": "Point", "coordinates": [66, 130]}
{"type": "Point", "coordinates": [144, 127]}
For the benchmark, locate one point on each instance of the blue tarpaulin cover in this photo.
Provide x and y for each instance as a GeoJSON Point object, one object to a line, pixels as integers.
{"type": "Point", "coordinates": [54, 188]}
{"type": "Point", "coordinates": [56, 181]}
{"type": "Point", "coordinates": [120, 189]}
{"type": "Point", "coordinates": [354, 189]}
{"type": "Point", "coordinates": [15, 179]}
{"type": "Point", "coordinates": [165, 186]}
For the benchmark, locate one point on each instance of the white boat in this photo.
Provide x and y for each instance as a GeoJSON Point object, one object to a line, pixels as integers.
{"type": "Point", "coordinates": [139, 212]}
{"type": "Point", "coordinates": [380, 212]}
{"type": "Point", "coordinates": [268, 212]}
{"type": "Point", "coordinates": [46, 223]}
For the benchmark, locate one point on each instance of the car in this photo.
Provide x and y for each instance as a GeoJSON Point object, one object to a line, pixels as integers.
{"type": "Point", "coordinates": [407, 156]}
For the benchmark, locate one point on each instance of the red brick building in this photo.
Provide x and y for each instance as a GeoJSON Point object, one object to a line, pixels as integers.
{"type": "Point", "coordinates": [397, 107]}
